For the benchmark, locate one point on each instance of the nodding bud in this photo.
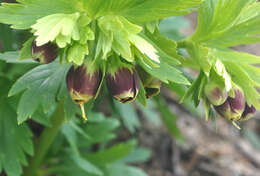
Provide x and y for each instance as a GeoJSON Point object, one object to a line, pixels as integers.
{"type": "Point", "coordinates": [151, 84]}
{"type": "Point", "coordinates": [44, 54]}
{"type": "Point", "coordinates": [83, 85]}
{"type": "Point", "coordinates": [233, 108]}
{"type": "Point", "coordinates": [215, 94]}
{"type": "Point", "coordinates": [123, 84]}
{"type": "Point", "coordinates": [248, 112]}
{"type": "Point", "coordinates": [152, 87]}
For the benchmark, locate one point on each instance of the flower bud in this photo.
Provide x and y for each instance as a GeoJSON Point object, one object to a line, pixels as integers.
{"type": "Point", "coordinates": [233, 108]}
{"type": "Point", "coordinates": [44, 54]}
{"type": "Point", "coordinates": [248, 112]}
{"type": "Point", "coordinates": [83, 85]}
{"type": "Point", "coordinates": [151, 84]}
{"type": "Point", "coordinates": [123, 84]}
{"type": "Point", "coordinates": [215, 94]}
{"type": "Point", "coordinates": [152, 87]}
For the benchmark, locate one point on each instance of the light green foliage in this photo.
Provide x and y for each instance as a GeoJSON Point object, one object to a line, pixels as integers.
{"type": "Point", "coordinates": [139, 11]}
{"type": "Point", "coordinates": [116, 32]}
{"type": "Point", "coordinates": [60, 27]}
{"type": "Point", "coordinates": [237, 26]}
{"type": "Point", "coordinates": [76, 53]}
{"type": "Point", "coordinates": [150, 10]}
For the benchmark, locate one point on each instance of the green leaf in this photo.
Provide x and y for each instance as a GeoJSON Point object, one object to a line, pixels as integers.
{"type": "Point", "coordinates": [229, 55]}
{"type": "Point", "coordinates": [150, 112]}
{"type": "Point", "coordinates": [138, 155]}
{"type": "Point", "coordinates": [167, 48]}
{"type": "Point", "coordinates": [99, 8]}
{"type": "Point", "coordinates": [129, 116]}
{"type": "Point", "coordinates": [112, 154]}
{"type": "Point", "coordinates": [12, 57]}
{"type": "Point", "coordinates": [238, 27]}
{"type": "Point", "coordinates": [25, 13]}
{"type": "Point", "coordinates": [151, 10]}
{"type": "Point", "coordinates": [86, 165]}
{"type": "Point", "coordinates": [141, 97]}
{"type": "Point", "coordinates": [162, 71]}
{"type": "Point", "coordinates": [16, 141]}
{"type": "Point", "coordinates": [41, 86]}
{"type": "Point", "coordinates": [60, 27]}
{"type": "Point", "coordinates": [25, 52]}
{"type": "Point", "coordinates": [169, 119]}
{"type": "Point", "coordinates": [117, 29]}
{"type": "Point", "coordinates": [71, 137]}
{"type": "Point", "coordinates": [200, 55]}
{"type": "Point", "coordinates": [77, 53]}
{"type": "Point", "coordinates": [100, 129]}
{"type": "Point", "coordinates": [195, 90]}
{"type": "Point", "coordinates": [120, 169]}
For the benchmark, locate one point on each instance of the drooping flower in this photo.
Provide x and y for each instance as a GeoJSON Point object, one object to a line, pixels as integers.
{"type": "Point", "coordinates": [233, 108]}
{"type": "Point", "coordinates": [123, 84]}
{"type": "Point", "coordinates": [44, 54]}
{"type": "Point", "coordinates": [83, 84]}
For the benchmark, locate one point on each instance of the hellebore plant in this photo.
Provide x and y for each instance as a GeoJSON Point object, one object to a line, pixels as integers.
{"type": "Point", "coordinates": [82, 44]}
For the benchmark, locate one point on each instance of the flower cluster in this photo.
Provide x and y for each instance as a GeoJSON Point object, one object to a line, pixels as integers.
{"type": "Point", "coordinates": [84, 81]}
{"type": "Point", "coordinates": [231, 105]}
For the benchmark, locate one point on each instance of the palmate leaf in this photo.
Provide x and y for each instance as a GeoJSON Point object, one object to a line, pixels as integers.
{"type": "Point", "coordinates": [41, 86]}
{"type": "Point", "coordinates": [16, 141]}
{"type": "Point", "coordinates": [25, 14]}
{"type": "Point", "coordinates": [238, 26]}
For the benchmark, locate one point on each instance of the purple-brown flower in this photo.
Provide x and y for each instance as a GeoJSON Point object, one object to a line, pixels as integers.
{"type": "Point", "coordinates": [44, 54]}
{"type": "Point", "coordinates": [233, 108]}
{"type": "Point", "coordinates": [124, 84]}
{"type": "Point", "coordinates": [83, 85]}
{"type": "Point", "coordinates": [215, 94]}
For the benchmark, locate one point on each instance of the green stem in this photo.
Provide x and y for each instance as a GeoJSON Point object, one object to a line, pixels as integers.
{"type": "Point", "coordinates": [44, 142]}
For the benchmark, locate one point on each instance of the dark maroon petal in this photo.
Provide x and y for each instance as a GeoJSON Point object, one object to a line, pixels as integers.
{"type": "Point", "coordinates": [45, 53]}
{"type": "Point", "coordinates": [122, 81]}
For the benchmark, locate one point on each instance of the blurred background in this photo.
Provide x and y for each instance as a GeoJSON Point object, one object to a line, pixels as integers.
{"type": "Point", "coordinates": [213, 148]}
